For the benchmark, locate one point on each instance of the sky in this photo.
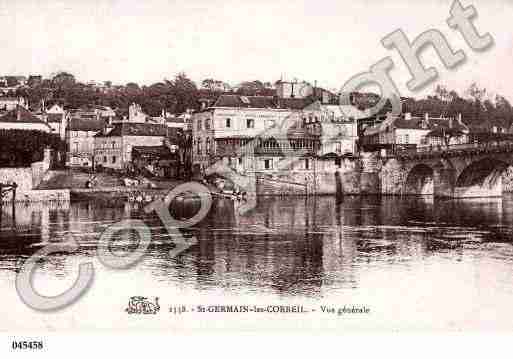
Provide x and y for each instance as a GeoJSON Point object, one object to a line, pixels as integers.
{"type": "Point", "coordinates": [314, 40]}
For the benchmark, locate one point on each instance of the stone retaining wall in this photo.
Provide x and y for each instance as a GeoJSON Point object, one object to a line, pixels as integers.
{"type": "Point", "coordinates": [58, 195]}
{"type": "Point", "coordinates": [28, 178]}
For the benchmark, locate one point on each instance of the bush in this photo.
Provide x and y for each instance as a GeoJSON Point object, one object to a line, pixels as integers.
{"type": "Point", "coordinates": [20, 148]}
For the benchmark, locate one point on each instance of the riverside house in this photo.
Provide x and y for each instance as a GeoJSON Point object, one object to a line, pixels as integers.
{"type": "Point", "coordinates": [113, 148]}
{"type": "Point", "coordinates": [407, 130]}
{"type": "Point", "coordinates": [80, 141]}
{"type": "Point", "coordinates": [242, 132]}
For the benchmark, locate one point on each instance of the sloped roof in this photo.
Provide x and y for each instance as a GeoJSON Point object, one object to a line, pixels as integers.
{"type": "Point", "coordinates": [411, 124]}
{"type": "Point", "coordinates": [369, 131]}
{"type": "Point", "coordinates": [136, 129]}
{"type": "Point", "coordinates": [340, 111]}
{"type": "Point", "coordinates": [21, 115]}
{"type": "Point", "coordinates": [416, 123]}
{"type": "Point", "coordinates": [155, 151]}
{"type": "Point", "coordinates": [446, 123]}
{"type": "Point", "coordinates": [81, 124]}
{"type": "Point", "coordinates": [293, 103]}
{"type": "Point", "coordinates": [56, 109]}
{"type": "Point", "coordinates": [261, 102]}
{"type": "Point", "coordinates": [244, 101]}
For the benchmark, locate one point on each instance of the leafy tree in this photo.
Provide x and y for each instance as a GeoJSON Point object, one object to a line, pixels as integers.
{"type": "Point", "coordinates": [63, 79]}
{"type": "Point", "coordinates": [185, 93]}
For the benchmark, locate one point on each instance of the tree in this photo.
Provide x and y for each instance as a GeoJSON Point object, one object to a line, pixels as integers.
{"type": "Point", "coordinates": [251, 88]}
{"type": "Point", "coordinates": [185, 92]}
{"type": "Point", "coordinates": [63, 79]}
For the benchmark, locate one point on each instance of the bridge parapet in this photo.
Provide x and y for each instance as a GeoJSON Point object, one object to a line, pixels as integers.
{"type": "Point", "coordinates": [456, 150]}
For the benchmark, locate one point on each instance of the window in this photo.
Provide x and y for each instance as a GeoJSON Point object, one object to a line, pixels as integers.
{"type": "Point", "coordinates": [250, 123]}
{"type": "Point", "coordinates": [338, 162]}
{"type": "Point", "coordinates": [268, 164]}
{"type": "Point", "coordinates": [207, 124]}
{"type": "Point", "coordinates": [104, 159]}
{"type": "Point", "coordinates": [240, 161]}
{"type": "Point", "coordinates": [199, 125]}
{"type": "Point", "coordinates": [199, 147]}
{"type": "Point", "coordinates": [113, 144]}
{"type": "Point", "coordinates": [228, 123]}
{"type": "Point", "coordinates": [207, 146]}
{"type": "Point", "coordinates": [339, 147]}
{"type": "Point", "coordinates": [406, 138]}
{"type": "Point", "coordinates": [113, 159]}
{"type": "Point", "coordinates": [307, 164]}
{"type": "Point", "coordinates": [75, 146]}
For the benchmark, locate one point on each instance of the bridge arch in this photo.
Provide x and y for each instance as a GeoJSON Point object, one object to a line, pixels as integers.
{"type": "Point", "coordinates": [420, 181]}
{"type": "Point", "coordinates": [481, 178]}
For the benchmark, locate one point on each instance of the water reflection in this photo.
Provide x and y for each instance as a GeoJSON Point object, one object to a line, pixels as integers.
{"type": "Point", "coordinates": [286, 247]}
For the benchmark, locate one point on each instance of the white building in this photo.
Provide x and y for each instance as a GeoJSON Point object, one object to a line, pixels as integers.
{"type": "Point", "coordinates": [338, 125]}
{"type": "Point", "coordinates": [56, 117]}
{"type": "Point", "coordinates": [80, 141]}
{"type": "Point", "coordinates": [418, 131]}
{"type": "Point", "coordinates": [258, 124]}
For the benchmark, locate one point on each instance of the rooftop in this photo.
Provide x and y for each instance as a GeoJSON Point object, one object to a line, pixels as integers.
{"type": "Point", "coordinates": [417, 123]}
{"type": "Point", "coordinates": [81, 124]}
{"type": "Point", "coordinates": [21, 115]}
{"type": "Point", "coordinates": [261, 102]}
{"type": "Point", "coordinates": [154, 151]}
{"type": "Point", "coordinates": [136, 129]}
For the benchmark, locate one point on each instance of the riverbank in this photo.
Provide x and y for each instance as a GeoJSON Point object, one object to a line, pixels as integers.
{"type": "Point", "coordinates": [108, 187]}
{"type": "Point", "coordinates": [114, 194]}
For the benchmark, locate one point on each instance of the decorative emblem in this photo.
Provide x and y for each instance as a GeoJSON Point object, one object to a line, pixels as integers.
{"type": "Point", "coordinates": [142, 305]}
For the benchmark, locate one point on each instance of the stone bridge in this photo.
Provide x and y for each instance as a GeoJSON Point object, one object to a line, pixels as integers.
{"type": "Point", "coordinates": [458, 171]}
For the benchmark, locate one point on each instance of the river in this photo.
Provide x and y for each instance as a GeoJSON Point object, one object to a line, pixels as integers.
{"type": "Point", "coordinates": [416, 263]}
